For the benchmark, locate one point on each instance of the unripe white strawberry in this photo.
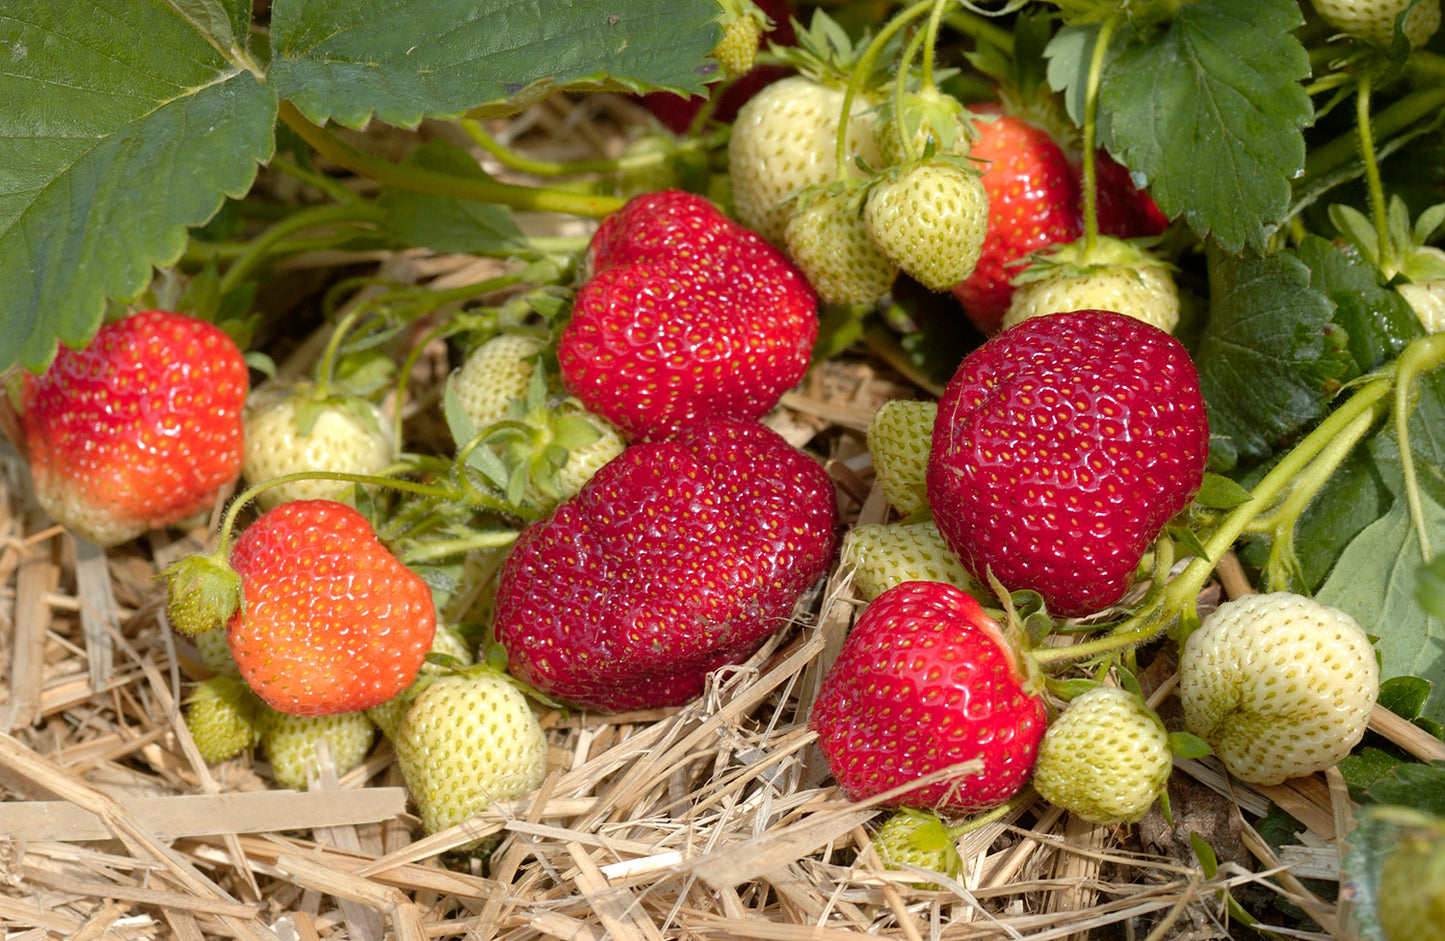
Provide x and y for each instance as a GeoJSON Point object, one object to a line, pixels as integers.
{"type": "Point", "coordinates": [1106, 758]}
{"type": "Point", "coordinates": [468, 740]}
{"type": "Point", "coordinates": [917, 838]}
{"type": "Point", "coordinates": [215, 653]}
{"type": "Point", "coordinates": [883, 556]}
{"type": "Point", "coordinates": [784, 139]}
{"type": "Point", "coordinates": [1114, 276]}
{"type": "Point", "coordinates": [828, 242]}
{"type": "Point", "coordinates": [900, 435]}
{"type": "Point", "coordinates": [1279, 685]}
{"type": "Point", "coordinates": [584, 460]}
{"type": "Point", "coordinates": [1374, 20]}
{"type": "Point", "coordinates": [289, 432]}
{"type": "Point", "coordinates": [1427, 300]}
{"type": "Point", "coordinates": [494, 374]}
{"type": "Point", "coordinates": [389, 714]}
{"type": "Point", "coordinates": [930, 221]}
{"type": "Point", "coordinates": [290, 743]}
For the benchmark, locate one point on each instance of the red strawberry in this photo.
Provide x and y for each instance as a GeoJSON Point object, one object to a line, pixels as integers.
{"type": "Point", "coordinates": [924, 681]}
{"type": "Point", "coordinates": [677, 558]}
{"type": "Point", "coordinates": [1062, 447]}
{"type": "Point", "coordinates": [330, 621]}
{"type": "Point", "coordinates": [138, 430]}
{"type": "Point", "coordinates": [1033, 198]}
{"type": "Point", "coordinates": [1124, 210]}
{"type": "Point", "coordinates": [688, 316]}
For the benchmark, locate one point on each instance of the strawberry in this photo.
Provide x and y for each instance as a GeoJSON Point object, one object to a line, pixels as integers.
{"type": "Point", "coordinates": [1427, 300]}
{"type": "Point", "coordinates": [918, 840]}
{"type": "Point", "coordinates": [684, 320]}
{"type": "Point", "coordinates": [1411, 898]}
{"type": "Point", "coordinates": [1063, 445]}
{"type": "Point", "coordinates": [930, 220]}
{"type": "Point", "coordinates": [785, 138]}
{"type": "Point", "coordinates": [214, 653]}
{"type": "Point", "coordinates": [469, 739]}
{"type": "Point", "coordinates": [828, 242]}
{"type": "Point", "coordinates": [140, 429]}
{"type": "Point", "coordinates": [290, 431]}
{"type": "Point", "coordinates": [924, 116]}
{"type": "Point", "coordinates": [331, 622]}
{"type": "Point", "coordinates": [926, 681]}
{"type": "Point", "coordinates": [1032, 203]}
{"type": "Point", "coordinates": [388, 715]}
{"type": "Point", "coordinates": [1122, 209]}
{"type": "Point", "coordinates": [677, 558]}
{"type": "Point", "coordinates": [1113, 275]}
{"type": "Point", "coordinates": [1374, 20]}
{"type": "Point", "coordinates": [290, 742]}
{"type": "Point", "coordinates": [221, 715]}
{"type": "Point", "coordinates": [743, 25]}
{"type": "Point", "coordinates": [1106, 758]}
{"type": "Point", "coordinates": [900, 435]}
{"type": "Point", "coordinates": [1279, 685]}
{"type": "Point", "coordinates": [883, 556]}
{"type": "Point", "coordinates": [494, 374]}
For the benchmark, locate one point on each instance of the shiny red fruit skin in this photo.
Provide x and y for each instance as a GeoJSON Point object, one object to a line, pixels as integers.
{"type": "Point", "coordinates": [678, 557]}
{"type": "Point", "coordinates": [1123, 209]}
{"type": "Point", "coordinates": [687, 316]}
{"type": "Point", "coordinates": [1033, 197]}
{"type": "Point", "coordinates": [1061, 448]}
{"type": "Point", "coordinates": [330, 620]}
{"type": "Point", "coordinates": [923, 682]}
{"type": "Point", "coordinates": [140, 429]}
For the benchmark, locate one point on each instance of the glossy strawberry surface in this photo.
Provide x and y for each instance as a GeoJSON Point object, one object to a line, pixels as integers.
{"type": "Point", "coordinates": [140, 429]}
{"type": "Point", "coordinates": [677, 558]}
{"type": "Point", "coordinates": [924, 682]}
{"type": "Point", "coordinates": [1062, 447]}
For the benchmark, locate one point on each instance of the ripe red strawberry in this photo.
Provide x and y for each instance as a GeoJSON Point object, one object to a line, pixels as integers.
{"type": "Point", "coordinates": [1062, 447]}
{"type": "Point", "coordinates": [330, 621]}
{"type": "Point", "coordinates": [138, 430]}
{"type": "Point", "coordinates": [1033, 198]}
{"type": "Point", "coordinates": [1122, 209]}
{"type": "Point", "coordinates": [925, 681]}
{"type": "Point", "coordinates": [677, 558]}
{"type": "Point", "coordinates": [687, 316]}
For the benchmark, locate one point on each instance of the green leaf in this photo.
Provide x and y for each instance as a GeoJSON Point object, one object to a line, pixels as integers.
{"type": "Point", "coordinates": [1426, 431]}
{"type": "Point", "coordinates": [1374, 580]}
{"type": "Point", "coordinates": [402, 60]}
{"type": "Point", "coordinates": [1266, 360]}
{"type": "Point", "coordinates": [1404, 695]}
{"type": "Point", "coordinates": [227, 21]}
{"type": "Point", "coordinates": [1220, 493]}
{"type": "Point", "coordinates": [1210, 110]}
{"type": "Point", "coordinates": [1430, 589]}
{"type": "Point", "coordinates": [1376, 319]}
{"type": "Point", "coordinates": [1418, 786]}
{"type": "Point", "coordinates": [122, 126]}
{"type": "Point", "coordinates": [444, 224]}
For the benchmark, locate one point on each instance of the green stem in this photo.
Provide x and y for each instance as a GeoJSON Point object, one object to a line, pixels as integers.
{"type": "Point", "coordinates": [535, 167]}
{"type": "Point", "coordinates": [935, 18]}
{"type": "Point", "coordinates": [441, 550]}
{"type": "Point", "coordinates": [1091, 124]}
{"type": "Point", "coordinates": [261, 246]}
{"type": "Point", "coordinates": [324, 365]}
{"type": "Point", "coordinates": [320, 181]}
{"type": "Point", "coordinates": [1420, 105]}
{"type": "Point", "coordinates": [983, 29]}
{"type": "Point", "coordinates": [1372, 172]}
{"type": "Point", "coordinates": [900, 89]}
{"type": "Point", "coordinates": [1419, 357]}
{"type": "Point", "coordinates": [865, 67]}
{"type": "Point", "coordinates": [421, 180]}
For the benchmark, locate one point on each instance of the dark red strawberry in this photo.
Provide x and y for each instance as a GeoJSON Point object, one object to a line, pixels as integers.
{"type": "Point", "coordinates": [677, 558]}
{"type": "Point", "coordinates": [138, 430]}
{"type": "Point", "coordinates": [1033, 203]}
{"type": "Point", "coordinates": [926, 681]}
{"type": "Point", "coordinates": [688, 316]}
{"type": "Point", "coordinates": [1123, 209]}
{"type": "Point", "coordinates": [1062, 447]}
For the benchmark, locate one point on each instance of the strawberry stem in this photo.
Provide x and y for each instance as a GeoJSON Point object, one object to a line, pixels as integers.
{"type": "Point", "coordinates": [259, 248]}
{"type": "Point", "coordinates": [1372, 168]}
{"type": "Point", "coordinates": [865, 67]}
{"type": "Point", "coordinates": [547, 168]}
{"type": "Point", "coordinates": [421, 180]}
{"type": "Point", "coordinates": [1419, 357]}
{"type": "Point", "coordinates": [1091, 124]}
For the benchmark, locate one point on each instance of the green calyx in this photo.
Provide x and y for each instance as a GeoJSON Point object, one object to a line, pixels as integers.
{"type": "Point", "coordinates": [202, 593]}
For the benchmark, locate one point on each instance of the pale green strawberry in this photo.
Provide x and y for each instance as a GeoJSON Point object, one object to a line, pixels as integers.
{"type": "Point", "coordinates": [1427, 300]}
{"type": "Point", "coordinates": [446, 642]}
{"type": "Point", "coordinates": [917, 838]}
{"type": "Point", "coordinates": [289, 743]}
{"type": "Point", "coordinates": [215, 653]}
{"type": "Point", "coordinates": [883, 556]}
{"type": "Point", "coordinates": [494, 374]}
{"type": "Point", "coordinates": [1105, 759]}
{"type": "Point", "coordinates": [221, 716]}
{"type": "Point", "coordinates": [1278, 684]}
{"type": "Point", "coordinates": [468, 740]}
{"type": "Point", "coordinates": [1114, 276]}
{"type": "Point", "coordinates": [743, 25]}
{"type": "Point", "coordinates": [1411, 899]}
{"type": "Point", "coordinates": [827, 240]}
{"type": "Point", "coordinates": [586, 459]}
{"type": "Point", "coordinates": [930, 220]}
{"type": "Point", "coordinates": [900, 435]}
{"type": "Point", "coordinates": [1374, 20]}
{"type": "Point", "coordinates": [288, 431]}
{"type": "Point", "coordinates": [925, 115]}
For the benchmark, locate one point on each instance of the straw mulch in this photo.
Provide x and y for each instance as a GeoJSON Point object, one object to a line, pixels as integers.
{"type": "Point", "coordinates": [713, 820]}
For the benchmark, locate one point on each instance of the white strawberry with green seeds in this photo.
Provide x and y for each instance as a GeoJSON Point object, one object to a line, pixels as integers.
{"type": "Point", "coordinates": [1374, 20]}
{"type": "Point", "coordinates": [882, 556]}
{"type": "Point", "coordinates": [1113, 275]}
{"type": "Point", "coordinates": [221, 715]}
{"type": "Point", "coordinates": [494, 374]}
{"type": "Point", "coordinates": [1278, 684]}
{"type": "Point", "coordinates": [826, 239]}
{"type": "Point", "coordinates": [290, 743]}
{"type": "Point", "coordinates": [930, 219]}
{"type": "Point", "coordinates": [899, 437]}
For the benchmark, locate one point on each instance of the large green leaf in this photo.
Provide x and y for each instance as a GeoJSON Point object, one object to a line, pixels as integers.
{"type": "Point", "coordinates": [403, 60]}
{"type": "Point", "coordinates": [122, 125]}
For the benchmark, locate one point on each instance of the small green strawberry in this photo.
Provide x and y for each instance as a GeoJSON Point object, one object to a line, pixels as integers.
{"type": "Point", "coordinates": [1278, 684]}
{"type": "Point", "coordinates": [917, 839]}
{"type": "Point", "coordinates": [1411, 899]}
{"type": "Point", "coordinates": [293, 430]}
{"type": "Point", "coordinates": [494, 374]}
{"type": "Point", "coordinates": [1106, 758]}
{"type": "Point", "coordinates": [1374, 20]}
{"type": "Point", "coordinates": [215, 653]}
{"type": "Point", "coordinates": [221, 716]}
{"type": "Point", "coordinates": [468, 740]}
{"type": "Point", "coordinates": [931, 220]}
{"type": "Point", "coordinates": [290, 742]}
{"type": "Point", "coordinates": [1113, 276]}
{"type": "Point", "coordinates": [827, 240]}
{"type": "Point", "coordinates": [900, 435]}
{"type": "Point", "coordinates": [743, 25]}
{"type": "Point", "coordinates": [883, 556]}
